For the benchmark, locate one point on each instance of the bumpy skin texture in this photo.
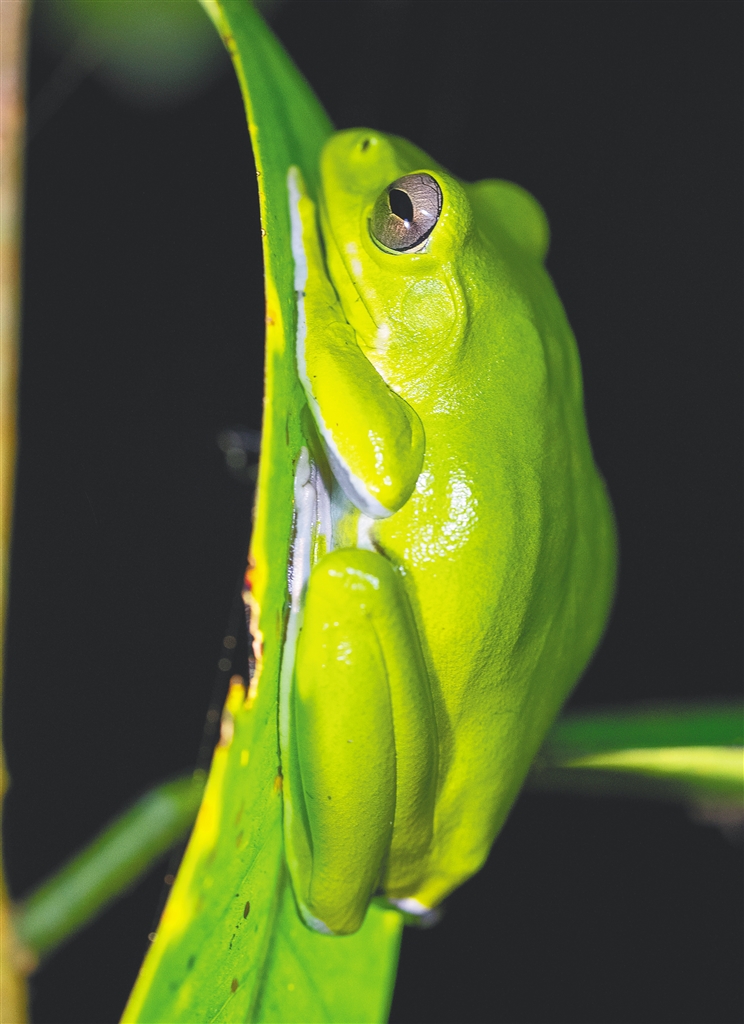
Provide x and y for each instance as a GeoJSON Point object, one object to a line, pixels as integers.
{"type": "Point", "coordinates": [496, 531]}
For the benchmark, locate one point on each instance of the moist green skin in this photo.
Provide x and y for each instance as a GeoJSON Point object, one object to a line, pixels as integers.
{"type": "Point", "coordinates": [447, 384]}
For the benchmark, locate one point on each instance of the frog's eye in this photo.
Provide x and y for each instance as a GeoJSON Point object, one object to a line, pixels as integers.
{"type": "Point", "coordinates": [406, 213]}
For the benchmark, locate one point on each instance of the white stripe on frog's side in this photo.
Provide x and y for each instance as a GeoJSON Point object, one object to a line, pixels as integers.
{"type": "Point", "coordinates": [364, 532]}
{"type": "Point", "coordinates": [352, 485]}
{"type": "Point", "coordinates": [312, 520]}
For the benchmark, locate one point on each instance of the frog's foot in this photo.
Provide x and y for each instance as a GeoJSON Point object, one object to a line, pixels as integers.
{"type": "Point", "coordinates": [362, 766]}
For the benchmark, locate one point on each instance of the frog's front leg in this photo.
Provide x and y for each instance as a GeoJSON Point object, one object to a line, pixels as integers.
{"type": "Point", "coordinates": [374, 440]}
{"type": "Point", "coordinates": [364, 749]}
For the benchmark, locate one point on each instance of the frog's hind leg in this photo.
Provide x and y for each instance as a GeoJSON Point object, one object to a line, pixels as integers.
{"type": "Point", "coordinates": [364, 741]}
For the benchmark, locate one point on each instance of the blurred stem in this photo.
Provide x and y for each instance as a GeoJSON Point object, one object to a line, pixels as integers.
{"type": "Point", "coordinates": [667, 724]}
{"type": "Point", "coordinates": [105, 869]}
{"type": "Point", "coordinates": [688, 753]}
{"type": "Point", "coordinates": [15, 962]}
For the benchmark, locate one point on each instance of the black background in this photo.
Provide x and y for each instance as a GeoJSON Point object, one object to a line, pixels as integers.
{"type": "Point", "coordinates": [142, 340]}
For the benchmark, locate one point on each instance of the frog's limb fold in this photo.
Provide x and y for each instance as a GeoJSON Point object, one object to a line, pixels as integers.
{"type": "Point", "coordinates": [373, 438]}
{"type": "Point", "coordinates": [365, 743]}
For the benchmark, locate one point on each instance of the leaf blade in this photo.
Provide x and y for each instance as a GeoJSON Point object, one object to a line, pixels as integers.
{"type": "Point", "coordinates": [223, 951]}
{"type": "Point", "coordinates": [676, 724]}
{"type": "Point", "coordinates": [675, 751]}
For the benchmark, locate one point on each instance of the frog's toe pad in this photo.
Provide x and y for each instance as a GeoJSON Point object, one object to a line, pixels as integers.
{"type": "Point", "coordinates": [315, 923]}
{"type": "Point", "coordinates": [416, 913]}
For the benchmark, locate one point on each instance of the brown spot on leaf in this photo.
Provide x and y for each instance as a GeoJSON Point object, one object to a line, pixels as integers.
{"type": "Point", "coordinates": [247, 908]}
{"type": "Point", "coordinates": [230, 44]}
{"type": "Point", "coordinates": [234, 984]}
{"type": "Point", "coordinates": [239, 838]}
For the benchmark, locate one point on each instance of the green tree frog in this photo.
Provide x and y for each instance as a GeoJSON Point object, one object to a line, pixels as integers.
{"type": "Point", "coordinates": [453, 558]}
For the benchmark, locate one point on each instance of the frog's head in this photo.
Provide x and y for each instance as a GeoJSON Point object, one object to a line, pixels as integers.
{"type": "Point", "coordinates": [394, 226]}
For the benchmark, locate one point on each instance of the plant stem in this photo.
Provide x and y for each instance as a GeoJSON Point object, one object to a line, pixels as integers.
{"type": "Point", "coordinates": [15, 962]}
{"type": "Point", "coordinates": [681, 752]}
{"type": "Point", "coordinates": [108, 866]}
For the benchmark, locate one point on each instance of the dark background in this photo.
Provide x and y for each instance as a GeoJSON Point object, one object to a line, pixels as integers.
{"type": "Point", "coordinates": [143, 339]}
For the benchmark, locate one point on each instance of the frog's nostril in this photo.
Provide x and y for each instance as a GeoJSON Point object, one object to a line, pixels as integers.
{"type": "Point", "coordinates": [365, 145]}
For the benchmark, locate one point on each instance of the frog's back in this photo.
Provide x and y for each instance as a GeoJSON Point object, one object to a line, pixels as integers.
{"type": "Point", "coordinates": [511, 526]}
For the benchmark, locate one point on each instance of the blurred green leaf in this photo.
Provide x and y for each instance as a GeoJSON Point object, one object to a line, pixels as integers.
{"type": "Point", "coordinates": [122, 852]}
{"type": "Point", "coordinates": [684, 752]}
{"type": "Point", "coordinates": [662, 725]}
{"type": "Point", "coordinates": [152, 52]}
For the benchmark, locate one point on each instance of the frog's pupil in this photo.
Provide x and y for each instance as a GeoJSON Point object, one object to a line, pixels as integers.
{"type": "Point", "coordinates": [400, 204]}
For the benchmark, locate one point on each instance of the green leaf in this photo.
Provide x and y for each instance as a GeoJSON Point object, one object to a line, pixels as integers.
{"type": "Point", "coordinates": [150, 53]}
{"type": "Point", "coordinates": [230, 946]}
{"type": "Point", "coordinates": [685, 752]}
{"type": "Point", "coordinates": [662, 725]}
{"type": "Point", "coordinates": [127, 848]}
